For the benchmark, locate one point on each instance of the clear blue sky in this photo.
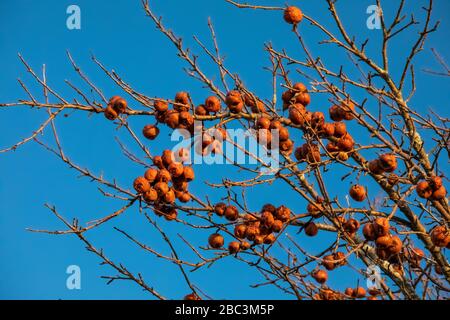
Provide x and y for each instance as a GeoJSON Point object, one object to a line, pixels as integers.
{"type": "Point", "coordinates": [118, 33]}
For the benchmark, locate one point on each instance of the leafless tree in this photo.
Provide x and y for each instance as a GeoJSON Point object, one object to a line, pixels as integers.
{"type": "Point", "coordinates": [403, 230]}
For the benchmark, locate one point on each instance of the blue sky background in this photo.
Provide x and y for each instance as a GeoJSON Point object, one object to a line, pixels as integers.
{"type": "Point", "coordinates": [33, 265]}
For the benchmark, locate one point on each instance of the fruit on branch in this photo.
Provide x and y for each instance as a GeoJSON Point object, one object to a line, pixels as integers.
{"type": "Point", "coordinates": [264, 137]}
{"type": "Point", "coordinates": [383, 242]}
{"type": "Point", "coordinates": [181, 101]}
{"type": "Point", "coordinates": [388, 162]}
{"type": "Point", "coordinates": [179, 184]}
{"type": "Point", "coordinates": [336, 113]}
{"type": "Point", "coordinates": [315, 209]}
{"type": "Point", "coordinates": [269, 208]}
{"type": "Point", "coordinates": [414, 256]}
{"type": "Point", "coordinates": [287, 97]}
{"type": "Point", "coordinates": [347, 108]}
{"type": "Point", "coordinates": [212, 104]}
{"type": "Point", "coordinates": [233, 247]}
{"type": "Point", "coordinates": [269, 239]}
{"type": "Point", "coordinates": [110, 113]}
{"type": "Point", "coordinates": [359, 292]}
{"type": "Point", "coordinates": [219, 208]}
{"type": "Point", "coordinates": [191, 296]}
{"type": "Point", "coordinates": [151, 174]}
{"type": "Point", "coordinates": [351, 226]}
{"type": "Point", "coordinates": [161, 106]}
{"type": "Point", "coordinates": [172, 119]}
{"type": "Point", "coordinates": [299, 87]}
{"type": "Point", "coordinates": [309, 152]}
{"type": "Point", "coordinates": [321, 276]}
{"type": "Point", "coordinates": [163, 176]}
{"type": "Point", "coordinates": [162, 188]}
{"type": "Point", "coordinates": [311, 229]}
{"type": "Point", "coordinates": [440, 236]}
{"type": "Point", "coordinates": [317, 120]}
{"type": "Point", "coordinates": [424, 190]}
{"type": "Point", "coordinates": [332, 147]}
{"type": "Point", "coordinates": [344, 111]}
{"type": "Point", "coordinates": [283, 213]}
{"type": "Point", "coordinates": [439, 194]}
{"type": "Point", "coordinates": [303, 98]}
{"type": "Point", "coordinates": [118, 103]}
{"type": "Point", "coordinates": [358, 193]}
{"type": "Point", "coordinates": [184, 197]}
{"type": "Point", "coordinates": [201, 110]}
{"type": "Point", "coordinates": [141, 185]}
{"type": "Point", "coordinates": [188, 173]}
{"type": "Point", "coordinates": [277, 225]}
{"type": "Point", "coordinates": [256, 105]}
{"type": "Point", "coordinates": [259, 239]}
{"type": "Point", "coordinates": [151, 195]}
{"type": "Point", "coordinates": [167, 157]}
{"type": "Point", "coordinates": [169, 196]}
{"type": "Point", "coordinates": [170, 214]}
{"type": "Point", "coordinates": [286, 146]}
{"type": "Point", "coordinates": [369, 232]}
{"type": "Point", "coordinates": [283, 134]}
{"type": "Point", "coordinates": [328, 129]}
{"type": "Point", "coordinates": [346, 143]}
{"type": "Point", "coordinates": [240, 230]}
{"type": "Point", "coordinates": [381, 226]}
{"type": "Point", "coordinates": [340, 259]}
{"type": "Point", "coordinates": [263, 123]}
{"type": "Point", "coordinates": [215, 241]}
{"type": "Point", "coordinates": [185, 120]}
{"type": "Point", "coordinates": [176, 169]}
{"type": "Point", "coordinates": [435, 183]}
{"type": "Point", "coordinates": [396, 245]}
{"type": "Point", "coordinates": [375, 167]}
{"type": "Point", "coordinates": [340, 129]}
{"type": "Point", "coordinates": [150, 131]}
{"type": "Point", "coordinates": [343, 156]}
{"type": "Point", "coordinates": [251, 232]}
{"type": "Point", "coordinates": [157, 161]}
{"type": "Point", "coordinates": [349, 292]}
{"type": "Point", "coordinates": [231, 213]}
{"type": "Point", "coordinates": [328, 262]}
{"type": "Point", "coordinates": [245, 245]}
{"type": "Point", "coordinates": [234, 101]}
{"type": "Point", "coordinates": [267, 219]}
{"type": "Point", "coordinates": [293, 15]}
{"type": "Point", "coordinates": [297, 114]}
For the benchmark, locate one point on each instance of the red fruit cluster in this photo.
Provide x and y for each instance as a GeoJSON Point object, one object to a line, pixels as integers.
{"type": "Point", "coordinates": [385, 163]}
{"type": "Point", "coordinates": [332, 261]}
{"type": "Point", "coordinates": [440, 236]}
{"type": "Point", "coordinates": [116, 106]}
{"type": "Point", "coordinates": [344, 111]}
{"type": "Point", "coordinates": [166, 182]}
{"type": "Point", "coordinates": [432, 189]}
{"type": "Point", "coordinates": [309, 152]}
{"type": "Point", "coordinates": [236, 101]}
{"type": "Point", "coordinates": [356, 293]}
{"type": "Point", "coordinates": [265, 127]}
{"type": "Point", "coordinates": [258, 228]}
{"type": "Point", "coordinates": [210, 141]}
{"type": "Point", "coordinates": [178, 117]}
{"type": "Point", "coordinates": [298, 94]}
{"type": "Point", "coordinates": [387, 245]}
